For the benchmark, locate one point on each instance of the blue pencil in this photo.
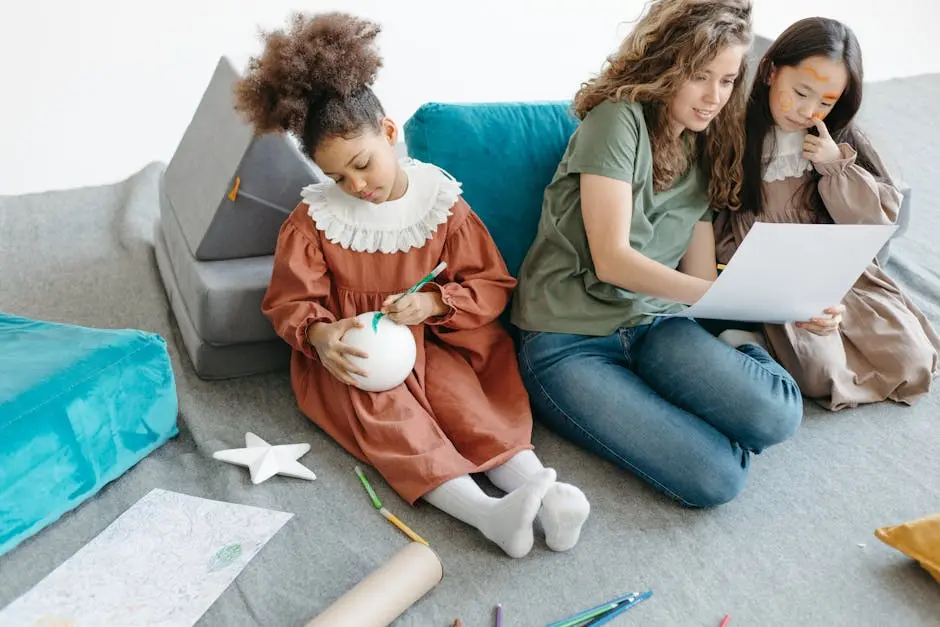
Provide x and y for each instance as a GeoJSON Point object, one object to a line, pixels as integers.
{"type": "Point", "coordinates": [611, 615]}
{"type": "Point", "coordinates": [584, 614]}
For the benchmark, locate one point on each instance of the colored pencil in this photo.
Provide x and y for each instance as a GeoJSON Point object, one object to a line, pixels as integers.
{"type": "Point", "coordinates": [594, 611]}
{"type": "Point", "coordinates": [499, 615]}
{"type": "Point", "coordinates": [414, 288]}
{"type": "Point", "coordinates": [404, 528]}
{"type": "Point", "coordinates": [365, 484]}
{"type": "Point", "coordinates": [623, 607]}
{"type": "Point", "coordinates": [724, 621]}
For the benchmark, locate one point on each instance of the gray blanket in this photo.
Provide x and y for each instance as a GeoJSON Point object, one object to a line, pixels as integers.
{"type": "Point", "coordinates": [795, 549]}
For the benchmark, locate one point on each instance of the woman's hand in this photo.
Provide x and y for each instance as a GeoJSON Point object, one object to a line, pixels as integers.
{"type": "Point", "coordinates": [824, 325]}
{"type": "Point", "coordinates": [414, 308]}
{"type": "Point", "coordinates": [327, 339]}
{"type": "Point", "coordinates": [820, 149]}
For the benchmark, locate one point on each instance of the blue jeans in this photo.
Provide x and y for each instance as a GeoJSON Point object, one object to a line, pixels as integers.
{"type": "Point", "coordinates": [669, 402]}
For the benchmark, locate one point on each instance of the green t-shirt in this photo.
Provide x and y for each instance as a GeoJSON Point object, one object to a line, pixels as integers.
{"type": "Point", "coordinates": [558, 290]}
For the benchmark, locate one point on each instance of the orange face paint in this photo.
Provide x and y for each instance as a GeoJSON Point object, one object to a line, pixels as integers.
{"type": "Point", "coordinates": [785, 101]}
{"type": "Point", "coordinates": [815, 74]}
{"type": "Point", "coordinates": [818, 115]}
{"type": "Point", "coordinates": [831, 96]}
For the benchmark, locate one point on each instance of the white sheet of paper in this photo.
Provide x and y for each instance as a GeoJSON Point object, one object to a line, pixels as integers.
{"type": "Point", "coordinates": [790, 272]}
{"type": "Point", "coordinates": [162, 563]}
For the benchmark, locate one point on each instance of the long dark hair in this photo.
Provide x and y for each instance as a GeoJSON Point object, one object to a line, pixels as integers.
{"type": "Point", "coordinates": [810, 37]}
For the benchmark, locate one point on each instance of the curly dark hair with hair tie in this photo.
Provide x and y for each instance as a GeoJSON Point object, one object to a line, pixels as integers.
{"type": "Point", "coordinates": [313, 80]}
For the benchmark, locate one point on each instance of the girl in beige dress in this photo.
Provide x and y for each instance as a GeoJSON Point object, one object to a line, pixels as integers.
{"type": "Point", "coordinates": [805, 163]}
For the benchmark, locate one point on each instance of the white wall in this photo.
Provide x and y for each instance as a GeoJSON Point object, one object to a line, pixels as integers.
{"type": "Point", "coordinates": [92, 90]}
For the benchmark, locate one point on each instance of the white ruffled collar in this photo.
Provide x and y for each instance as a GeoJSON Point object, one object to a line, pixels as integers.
{"type": "Point", "coordinates": [394, 226]}
{"type": "Point", "coordinates": [786, 161]}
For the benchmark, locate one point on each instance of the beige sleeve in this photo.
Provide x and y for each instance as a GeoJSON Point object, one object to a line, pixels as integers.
{"type": "Point", "coordinates": [852, 195]}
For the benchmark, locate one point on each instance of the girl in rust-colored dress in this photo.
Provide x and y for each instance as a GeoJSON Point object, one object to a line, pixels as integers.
{"type": "Point", "coordinates": [806, 163]}
{"type": "Point", "coordinates": [354, 244]}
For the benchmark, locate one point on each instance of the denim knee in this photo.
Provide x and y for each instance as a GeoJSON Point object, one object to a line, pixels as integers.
{"type": "Point", "coordinates": [778, 425]}
{"type": "Point", "coordinates": [776, 418]}
{"type": "Point", "coordinates": [717, 482]}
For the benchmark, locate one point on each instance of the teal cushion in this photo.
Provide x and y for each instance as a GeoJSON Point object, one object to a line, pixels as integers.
{"type": "Point", "coordinates": [504, 154]}
{"type": "Point", "coordinates": [78, 407]}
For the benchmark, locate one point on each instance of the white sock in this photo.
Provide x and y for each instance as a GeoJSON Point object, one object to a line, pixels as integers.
{"type": "Point", "coordinates": [738, 337]}
{"type": "Point", "coordinates": [507, 521]}
{"type": "Point", "coordinates": [564, 507]}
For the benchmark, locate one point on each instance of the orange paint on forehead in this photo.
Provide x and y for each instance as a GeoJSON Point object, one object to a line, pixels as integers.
{"type": "Point", "coordinates": [815, 74]}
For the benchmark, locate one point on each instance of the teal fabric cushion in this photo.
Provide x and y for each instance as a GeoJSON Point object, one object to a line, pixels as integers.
{"type": "Point", "coordinates": [78, 407]}
{"type": "Point", "coordinates": [504, 155]}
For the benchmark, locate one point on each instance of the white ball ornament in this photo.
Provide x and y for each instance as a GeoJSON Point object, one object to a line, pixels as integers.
{"type": "Point", "coordinates": [391, 353]}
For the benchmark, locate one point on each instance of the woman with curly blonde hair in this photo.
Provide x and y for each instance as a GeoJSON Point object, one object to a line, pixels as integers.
{"type": "Point", "coordinates": [625, 237]}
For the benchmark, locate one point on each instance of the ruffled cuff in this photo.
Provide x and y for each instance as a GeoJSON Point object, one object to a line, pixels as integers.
{"type": "Point", "coordinates": [837, 166]}
{"type": "Point", "coordinates": [446, 292]}
{"type": "Point", "coordinates": [300, 338]}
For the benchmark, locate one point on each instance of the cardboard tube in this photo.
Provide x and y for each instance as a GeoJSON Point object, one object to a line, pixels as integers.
{"type": "Point", "coordinates": [387, 592]}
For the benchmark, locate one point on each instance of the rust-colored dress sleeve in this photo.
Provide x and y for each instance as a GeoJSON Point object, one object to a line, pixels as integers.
{"type": "Point", "coordinates": [852, 195]}
{"type": "Point", "coordinates": [299, 288]}
{"type": "Point", "coordinates": [476, 284]}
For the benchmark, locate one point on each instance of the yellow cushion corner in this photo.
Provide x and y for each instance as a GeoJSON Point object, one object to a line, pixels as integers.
{"type": "Point", "coordinates": [918, 539]}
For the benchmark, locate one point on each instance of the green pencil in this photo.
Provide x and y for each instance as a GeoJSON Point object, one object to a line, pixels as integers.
{"type": "Point", "coordinates": [414, 288]}
{"type": "Point", "coordinates": [365, 484]}
{"type": "Point", "coordinates": [577, 620]}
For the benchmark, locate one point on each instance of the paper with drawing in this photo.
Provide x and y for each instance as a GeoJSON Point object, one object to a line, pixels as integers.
{"type": "Point", "coordinates": [162, 562]}
{"type": "Point", "coordinates": [790, 272]}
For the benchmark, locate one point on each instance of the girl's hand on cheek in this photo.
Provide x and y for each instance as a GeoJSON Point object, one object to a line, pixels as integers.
{"type": "Point", "coordinates": [820, 149]}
